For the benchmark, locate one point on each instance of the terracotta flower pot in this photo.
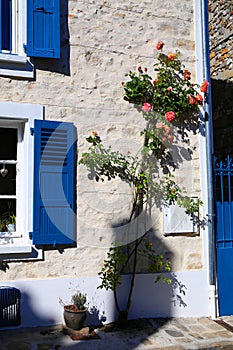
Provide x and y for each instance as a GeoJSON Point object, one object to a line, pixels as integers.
{"type": "Point", "coordinates": [74, 318]}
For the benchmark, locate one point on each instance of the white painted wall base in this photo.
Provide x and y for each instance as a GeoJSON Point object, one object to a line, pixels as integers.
{"type": "Point", "coordinates": [187, 296]}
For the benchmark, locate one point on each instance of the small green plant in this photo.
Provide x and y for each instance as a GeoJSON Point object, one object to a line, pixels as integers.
{"type": "Point", "coordinates": [7, 218]}
{"type": "Point", "coordinates": [79, 300]}
{"type": "Point", "coordinates": [12, 218]}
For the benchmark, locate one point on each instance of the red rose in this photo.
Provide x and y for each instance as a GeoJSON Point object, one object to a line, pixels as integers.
{"type": "Point", "coordinates": [199, 98]}
{"type": "Point", "coordinates": [192, 100]}
{"type": "Point", "coordinates": [204, 86]}
{"type": "Point", "coordinates": [159, 45]}
{"type": "Point", "coordinates": [187, 75]}
{"type": "Point", "coordinates": [169, 116]}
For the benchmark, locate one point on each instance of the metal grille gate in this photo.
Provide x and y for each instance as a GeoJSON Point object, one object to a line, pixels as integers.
{"type": "Point", "coordinates": [223, 188]}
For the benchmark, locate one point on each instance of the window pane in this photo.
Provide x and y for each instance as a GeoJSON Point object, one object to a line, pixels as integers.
{"type": "Point", "coordinates": [6, 24]}
{"type": "Point", "coordinates": [8, 182]}
{"type": "Point", "coordinates": [7, 214]}
{"type": "Point", "coordinates": [8, 144]}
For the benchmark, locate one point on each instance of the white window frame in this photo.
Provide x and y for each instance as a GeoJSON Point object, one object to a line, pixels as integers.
{"type": "Point", "coordinates": [17, 64]}
{"type": "Point", "coordinates": [22, 117]}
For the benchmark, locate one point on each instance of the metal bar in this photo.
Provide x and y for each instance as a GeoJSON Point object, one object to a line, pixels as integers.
{"type": "Point", "coordinates": [10, 24]}
{"type": "Point", "coordinates": [222, 200]}
{"type": "Point", "coordinates": [8, 162]}
{"type": "Point", "coordinates": [229, 195]}
{"type": "Point", "coordinates": [1, 31]}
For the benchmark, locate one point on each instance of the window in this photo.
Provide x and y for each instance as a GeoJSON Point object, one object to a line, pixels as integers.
{"type": "Point", "coordinates": [37, 203]}
{"type": "Point", "coordinates": [6, 27]}
{"type": "Point", "coordinates": [8, 163]}
{"type": "Point", "coordinates": [29, 28]}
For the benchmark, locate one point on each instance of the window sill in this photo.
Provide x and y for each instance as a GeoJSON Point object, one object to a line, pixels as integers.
{"type": "Point", "coordinates": [15, 249]}
{"type": "Point", "coordinates": [20, 253]}
{"type": "Point", "coordinates": [13, 58]}
{"type": "Point", "coordinates": [16, 66]}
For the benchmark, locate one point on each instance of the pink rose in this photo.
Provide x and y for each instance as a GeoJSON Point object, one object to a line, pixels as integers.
{"type": "Point", "coordinates": [170, 138]}
{"type": "Point", "coordinates": [169, 116]}
{"type": "Point", "coordinates": [166, 129]}
{"type": "Point", "coordinates": [159, 125]}
{"type": "Point", "coordinates": [169, 88]}
{"type": "Point", "coordinates": [146, 107]}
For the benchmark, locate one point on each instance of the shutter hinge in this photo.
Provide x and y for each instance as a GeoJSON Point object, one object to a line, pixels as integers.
{"type": "Point", "coordinates": [30, 235]}
{"type": "Point", "coordinates": [32, 131]}
{"type": "Point", "coordinates": [54, 244]}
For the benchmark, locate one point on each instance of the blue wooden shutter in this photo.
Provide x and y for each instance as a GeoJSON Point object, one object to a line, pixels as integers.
{"type": "Point", "coordinates": [43, 28]}
{"type": "Point", "coordinates": [54, 200]}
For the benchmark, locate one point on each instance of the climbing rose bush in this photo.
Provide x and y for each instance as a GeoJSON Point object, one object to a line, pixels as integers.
{"type": "Point", "coordinates": [166, 97]}
{"type": "Point", "coordinates": [169, 94]}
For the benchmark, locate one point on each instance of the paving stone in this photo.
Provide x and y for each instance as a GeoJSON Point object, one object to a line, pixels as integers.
{"type": "Point", "coordinates": [19, 346]}
{"type": "Point", "coordinates": [224, 334]}
{"type": "Point", "coordinates": [174, 333]}
{"type": "Point", "coordinates": [215, 326]}
{"type": "Point", "coordinates": [204, 320]}
{"type": "Point", "coordinates": [45, 346]}
{"type": "Point", "coordinates": [217, 346]}
{"type": "Point", "coordinates": [174, 347]}
{"type": "Point", "coordinates": [196, 335]}
{"type": "Point", "coordinates": [182, 328]}
{"type": "Point", "coordinates": [147, 342]}
{"type": "Point", "coordinates": [197, 328]}
{"type": "Point", "coordinates": [210, 335]}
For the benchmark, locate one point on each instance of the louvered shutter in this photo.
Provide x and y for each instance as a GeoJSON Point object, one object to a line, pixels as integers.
{"type": "Point", "coordinates": [43, 28]}
{"type": "Point", "coordinates": [54, 203]}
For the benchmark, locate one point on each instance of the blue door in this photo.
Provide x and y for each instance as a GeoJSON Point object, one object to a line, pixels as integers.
{"type": "Point", "coordinates": [223, 179]}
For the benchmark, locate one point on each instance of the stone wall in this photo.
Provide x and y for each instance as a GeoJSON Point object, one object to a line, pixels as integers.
{"type": "Point", "coordinates": [221, 38]}
{"type": "Point", "coordinates": [101, 41]}
{"type": "Point", "coordinates": [221, 62]}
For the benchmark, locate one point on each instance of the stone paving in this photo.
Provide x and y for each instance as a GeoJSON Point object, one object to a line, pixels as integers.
{"type": "Point", "coordinates": [142, 334]}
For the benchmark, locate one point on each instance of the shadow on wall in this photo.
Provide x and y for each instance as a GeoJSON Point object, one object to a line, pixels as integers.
{"type": "Point", "coordinates": [4, 266]}
{"type": "Point", "coordinates": [222, 105]}
{"type": "Point", "coordinates": [149, 297]}
{"type": "Point", "coordinates": [27, 310]}
{"type": "Point", "coordinates": [61, 65]}
{"type": "Point", "coordinates": [13, 313]}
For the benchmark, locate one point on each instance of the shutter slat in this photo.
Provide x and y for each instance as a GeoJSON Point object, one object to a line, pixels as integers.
{"type": "Point", "coordinates": [54, 203]}
{"type": "Point", "coordinates": [43, 28]}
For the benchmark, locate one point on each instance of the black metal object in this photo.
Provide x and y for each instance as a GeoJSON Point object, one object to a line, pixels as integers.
{"type": "Point", "coordinates": [9, 306]}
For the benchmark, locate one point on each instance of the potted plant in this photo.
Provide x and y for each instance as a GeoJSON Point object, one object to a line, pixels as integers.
{"type": "Point", "coordinates": [8, 221]}
{"type": "Point", "coordinates": [11, 223]}
{"type": "Point", "coordinates": [75, 313]}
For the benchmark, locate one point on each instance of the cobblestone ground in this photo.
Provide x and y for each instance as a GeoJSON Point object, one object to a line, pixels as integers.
{"type": "Point", "coordinates": [142, 334]}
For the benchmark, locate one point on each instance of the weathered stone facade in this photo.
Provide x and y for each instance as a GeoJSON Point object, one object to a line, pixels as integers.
{"type": "Point", "coordinates": [221, 39]}
{"type": "Point", "coordinates": [221, 62]}
{"type": "Point", "coordinates": [101, 42]}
